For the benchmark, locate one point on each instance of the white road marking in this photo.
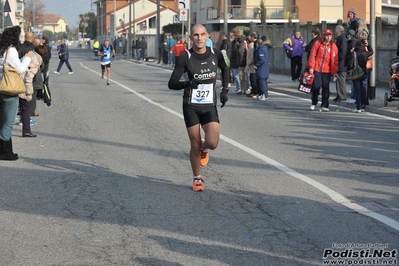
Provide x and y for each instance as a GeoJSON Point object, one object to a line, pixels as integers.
{"type": "Point", "coordinates": [337, 197]}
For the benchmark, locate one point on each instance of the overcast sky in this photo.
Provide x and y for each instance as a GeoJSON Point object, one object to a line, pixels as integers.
{"type": "Point", "coordinates": [69, 9]}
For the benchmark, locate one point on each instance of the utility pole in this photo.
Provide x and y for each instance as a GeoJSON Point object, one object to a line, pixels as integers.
{"type": "Point", "coordinates": [129, 49]}
{"type": "Point", "coordinates": [158, 38]}
{"type": "Point", "coordinates": [371, 93]}
{"type": "Point", "coordinates": [226, 16]}
{"type": "Point", "coordinates": [114, 20]}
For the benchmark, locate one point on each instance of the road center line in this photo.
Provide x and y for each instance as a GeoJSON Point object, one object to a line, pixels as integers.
{"type": "Point", "coordinates": [326, 190]}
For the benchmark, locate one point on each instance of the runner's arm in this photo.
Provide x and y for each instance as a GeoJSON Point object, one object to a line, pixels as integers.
{"type": "Point", "coordinates": [180, 68]}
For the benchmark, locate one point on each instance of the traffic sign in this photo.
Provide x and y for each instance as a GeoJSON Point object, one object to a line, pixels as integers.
{"type": "Point", "coordinates": [183, 15]}
{"type": "Point", "coordinates": [184, 4]}
{"type": "Point", "coordinates": [143, 27]}
{"type": "Point", "coordinates": [124, 32]}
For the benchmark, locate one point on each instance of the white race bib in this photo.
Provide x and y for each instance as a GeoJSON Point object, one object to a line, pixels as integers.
{"type": "Point", "coordinates": [203, 94]}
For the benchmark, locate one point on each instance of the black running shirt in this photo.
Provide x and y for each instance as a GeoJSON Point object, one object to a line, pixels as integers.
{"type": "Point", "coordinates": [202, 72]}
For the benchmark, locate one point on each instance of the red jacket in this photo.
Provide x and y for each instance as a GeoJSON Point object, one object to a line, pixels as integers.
{"type": "Point", "coordinates": [324, 57]}
{"type": "Point", "coordinates": [178, 48]}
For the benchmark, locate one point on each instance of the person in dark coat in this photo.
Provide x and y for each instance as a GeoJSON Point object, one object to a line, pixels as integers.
{"type": "Point", "coordinates": [261, 60]}
{"type": "Point", "coordinates": [315, 37]}
{"type": "Point", "coordinates": [64, 57]}
{"type": "Point", "coordinates": [27, 46]}
{"type": "Point", "coordinates": [363, 50]}
{"type": "Point", "coordinates": [226, 44]}
{"type": "Point", "coordinates": [342, 44]}
{"type": "Point", "coordinates": [353, 24]}
{"type": "Point", "coordinates": [234, 61]}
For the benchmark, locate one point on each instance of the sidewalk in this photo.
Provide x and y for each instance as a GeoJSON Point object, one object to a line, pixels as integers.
{"type": "Point", "coordinates": [284, 84]}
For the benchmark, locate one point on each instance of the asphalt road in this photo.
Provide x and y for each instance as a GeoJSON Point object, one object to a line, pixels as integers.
{"type": "Point", "coordinates": [108, 180]}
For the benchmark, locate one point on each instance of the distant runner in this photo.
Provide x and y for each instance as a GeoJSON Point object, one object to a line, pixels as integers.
{"type": "Point", "coordinates": [106, 51]}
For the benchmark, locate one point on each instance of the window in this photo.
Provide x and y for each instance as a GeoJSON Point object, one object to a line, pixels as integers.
{"type": "Point", "coordinates": [152, 22]}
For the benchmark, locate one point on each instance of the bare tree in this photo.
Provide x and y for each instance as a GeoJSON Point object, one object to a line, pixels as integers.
{"type": "Point", "coordinates": [34, 10]}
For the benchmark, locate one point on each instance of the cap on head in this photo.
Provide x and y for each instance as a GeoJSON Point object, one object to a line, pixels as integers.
{"type": "Point", "coordinates": [327, 32]}
{"type": "Point", "coordinates": [352, 10]}
{"type": "Point", "coordinates": [351, 33]}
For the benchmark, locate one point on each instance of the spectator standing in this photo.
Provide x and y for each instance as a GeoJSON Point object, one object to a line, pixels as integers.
{"type": "Point", "coordinates": [160, 50]}
{"type": "Point", "coordinates": [353, 23]}
{"type": "Point", "coordinates": [342, 44]}
{"type": "Point", "coordinates": [172, 59]}
{"type": "Point", "coordinates": [296, 45]}
{"type": "Point", "coordinates": [352, 40]}
{"type": "Point", "coordinates": [363, 51]}
{"type": "Point", "coordinates": [138, 48]}
{"type": "Point", "coordinates": [261, 59]}
{"type": "Point", "coordinates": [250, 67]}
{"type": "Point", "coordinates": [234, 61]}
{"type": "Point", "coordinates": [226, 44]}
{"type": "Point", "coordinates": [64, 57]}
{"type": "Point", "coordinates": [165, 51]}
{"type": "Point", "coordinates": [323, 63]}
{"type": "Point", "coordinates": [266, 42]}
{"type": "Point", "coordinates": [315, 37]}
{"type": "Point", "coordinates": [40, 75]}
{"type": "Point", "coordinates": [9, 49]}
{"type": "Point", "coordinates": [242, 62]}
{"type": "Point", "coordinates": [27, 46]}
{"type": "Point", "coordinates": [178, 49]}
{"type": "Point", "coordinates": [143, 47]}
{"type": "Point", "coordinates": [25, 98]}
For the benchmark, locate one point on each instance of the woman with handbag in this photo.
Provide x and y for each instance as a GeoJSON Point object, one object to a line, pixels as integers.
{"type": "Point", "coordinates": [359, 58]}
{"type": "Point", "coordinates": [11, 81]}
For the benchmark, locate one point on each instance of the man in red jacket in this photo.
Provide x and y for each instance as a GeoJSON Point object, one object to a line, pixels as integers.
{"type": "Point", "coordinates": [323, 63]}
{"type": "Point", "coordinates": [178, 49]}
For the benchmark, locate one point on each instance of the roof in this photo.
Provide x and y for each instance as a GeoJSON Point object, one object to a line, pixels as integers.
{"type": "Point", "coordinates": [50, 19]}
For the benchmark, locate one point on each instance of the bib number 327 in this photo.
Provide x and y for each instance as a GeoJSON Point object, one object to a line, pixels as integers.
{"type": "Point", "coordinates": [203, 94]}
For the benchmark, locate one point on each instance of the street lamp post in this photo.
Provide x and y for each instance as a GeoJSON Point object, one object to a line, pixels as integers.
{"type": "Point", "coordinates": [78, 22]}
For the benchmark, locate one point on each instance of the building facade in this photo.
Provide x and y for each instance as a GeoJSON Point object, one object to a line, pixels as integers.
{"type": "Point", "coordinates": [13, 14]}
{"type": "Point", "coordinates": [143, 16]}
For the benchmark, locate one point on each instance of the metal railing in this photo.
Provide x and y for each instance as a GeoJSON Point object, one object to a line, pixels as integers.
{"type": "Point", "coordinates": [253, 12]}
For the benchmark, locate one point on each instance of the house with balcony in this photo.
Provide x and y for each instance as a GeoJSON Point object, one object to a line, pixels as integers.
{"type": "Point", "coordinates": [241, 12]}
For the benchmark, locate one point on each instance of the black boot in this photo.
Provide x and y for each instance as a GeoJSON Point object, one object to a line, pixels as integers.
{"type": "Point", "coordinates": [6, 152]}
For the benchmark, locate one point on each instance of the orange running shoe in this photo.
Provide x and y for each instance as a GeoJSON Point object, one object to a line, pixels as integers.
{"type": "Point", "coordinates": [198, 184]}
{"type": "Point", "coordinates": [204, 155]}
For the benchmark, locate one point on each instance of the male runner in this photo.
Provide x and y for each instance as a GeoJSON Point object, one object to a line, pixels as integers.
{"type": "Point", "coordinates": [199, 98]}
{"type": "Point", "coordinates": [105, 52]}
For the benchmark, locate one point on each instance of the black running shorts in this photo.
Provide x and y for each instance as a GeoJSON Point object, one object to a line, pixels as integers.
{"type": "Point", "coordinates": [106, 66]}
{"type": "Point", "coordinates": [194, 114]}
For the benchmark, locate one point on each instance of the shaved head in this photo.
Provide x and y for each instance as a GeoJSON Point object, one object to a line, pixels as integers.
{"type": "Point", "coordinates": [199, 35]}
{"type": "Point", "coordinates": [29, 36]}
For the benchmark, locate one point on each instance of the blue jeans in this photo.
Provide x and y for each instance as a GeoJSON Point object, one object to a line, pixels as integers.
{"type": "Point", "coordinates": [360, 92]}
{"type": "Point", "coordinates": [138, 53]}
{"type": "Point", "coordinates": [10, 108]}
{"type": "Point", "coordinates": [61, 63]}
{"type": "Point", "coordinates": [171, 59]}
{"type": "Point", "coordinates": [321, 80]}
{"type": "Point", "coordinates": [353, 93]}
{"type": "Point", "coordinates": [236, 77]}
{"type": "Point", "coordinates": [262, 83]}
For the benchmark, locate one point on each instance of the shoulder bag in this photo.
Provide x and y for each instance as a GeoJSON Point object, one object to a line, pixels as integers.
{"type": "Point", "coordinates": [355, 73]}
{"type": "Point", "coordinates": [12, 83]}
